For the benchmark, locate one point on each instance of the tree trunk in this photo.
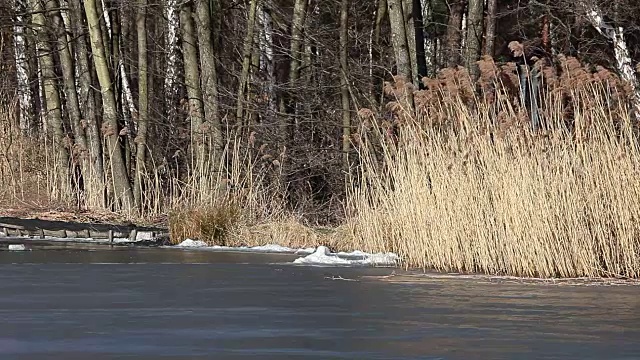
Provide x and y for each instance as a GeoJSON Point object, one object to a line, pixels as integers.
{"type": "Point", "coordinates": [94, 184]}
{"type": "Point", "coordinates": [490, 32]}
{"type": "Point", "coordinates": [297, 31]}
{"type": "Point", "coordinates": [22, 68]}
{"type": "Point", "coordinates": [105, 28]}
{"type": "Point", "coordinates": [475, 20]}
{"type": "Point", "coordinates": [430, 38]}
{"type": "Point", "coordinates": [344, 86]}
{"type": "Point", "coordinates": [418, 31]}
{"type": "Point", "coordinates": [246, 62]}
{"type": "Point", "coordinates": [72, 104]}
{"type": "Point", "coordinates": [121, 186]}
{"type": "Point", "coordinates": [410, 35]}
{"type": "Point", "coordinates": [454, 33]}
{"type": "Point", "coordinates": [381, 12]}
{"type": "Point", "coordinates": [172, 52]}
{"type": "Point", "coordinates": [399, 39]}
{"type": "Point", "coordinates": [192, 82]}
{"type": "Point", "coordinates": [209, 79]}
{"type": "Point", "coordinates": [376, 74]}
{"type": "Point", "coordinates": [266, 60]}
{"type": "Point", "coordinates": [143, 103]}
{"type": "Point", "coordinates": [62, 188]}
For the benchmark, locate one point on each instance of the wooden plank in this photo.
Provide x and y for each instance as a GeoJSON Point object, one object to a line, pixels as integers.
{"type": "Point", "coordinates": [11, 226]}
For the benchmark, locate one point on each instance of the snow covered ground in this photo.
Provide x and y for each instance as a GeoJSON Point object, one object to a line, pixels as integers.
{"type": "Point", "coordinates": [311, 256]}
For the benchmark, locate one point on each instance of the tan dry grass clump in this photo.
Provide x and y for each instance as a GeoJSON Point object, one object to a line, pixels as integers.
{"type": "Point", "coordinates": [292, 233]}
{"type": "Point", "coordinates": [242, 209]}
{"type": "Point", "coordinates": [469, 188]}
{"type": "Point", "coordinates": [25, 177]}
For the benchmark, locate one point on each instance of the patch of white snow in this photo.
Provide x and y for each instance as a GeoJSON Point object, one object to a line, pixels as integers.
{"type": "Point", "coordinates": [269, 248]}
{"type": "Point", "coordinates": [188, 243]}
{"type": "Point", "coordinates": [305, 251]}
{"type": "Point", "coordinates": [322, 256]}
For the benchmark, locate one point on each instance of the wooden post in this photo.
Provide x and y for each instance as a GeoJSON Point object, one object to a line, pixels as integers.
{"type": "Point", "coordinates": [111, 237]}
{"type": "Point", "coordinates": [41, 234]}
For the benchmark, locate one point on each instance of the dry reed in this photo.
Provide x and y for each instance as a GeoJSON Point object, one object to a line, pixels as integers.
{"type": "Point", "coordinates": [464, 186]}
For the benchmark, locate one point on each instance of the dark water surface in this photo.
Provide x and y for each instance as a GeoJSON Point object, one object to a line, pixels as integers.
{"type": "Point", "coordinates": [172, 304]}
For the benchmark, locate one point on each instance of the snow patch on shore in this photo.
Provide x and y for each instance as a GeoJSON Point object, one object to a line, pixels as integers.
{"type": "Point", "coordinates": [192, 244]}
{"type": "Point", "coordinates": [323, 256]}
{"type": "Point", "coordinates": [269, 248]}
{"type": "Point", "coordinates": [314, 256]}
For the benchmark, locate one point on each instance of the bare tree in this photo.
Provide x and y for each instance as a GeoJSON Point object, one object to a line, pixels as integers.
{"type": "Point", "coordinates": [399, 39]}
{"type": "Point", "coordinates": [94, 185]}
{"type": "Point", "coordinates": [143, 102]}
{"type": "Point", "coordinates": [192, 82]}
{"type": "Point", "coordinates": [246, 62]}
{"type": "Point", "coordinates": [490, 31]}
{"type": "Point", "coordinates": [123, 196]}
{"type": "Point", "coordinates": [454, 32]}
{"type": "Point", "coordinates": [344, 85]}
{"type": "Point", "coordinates": [475, 19]}
{"type": "Point", "coordinates": [209, 78]}
{"type": "Point", "coordinates": [62, 189]}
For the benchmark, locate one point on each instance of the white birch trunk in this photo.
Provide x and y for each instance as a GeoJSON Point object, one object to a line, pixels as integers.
{"type": "Point", "coordinates": [624, 63]}
{"type": "Point", "coordinates": [43, 105]}
{"type": "Point", "coordinates": [172, 48]}
{"type": "Point", "coordinates": [105, 14]}
{"type": "Point", "coordinates": [126, 90]}
{"type": "Point", "coordinates": [22, 67]}
{"type": "Point", "coordinates": [463, 41]}
{"type": "Point", "coordinates": [429, 43]}
{"type": "Point", "coordinates": [266, 57]}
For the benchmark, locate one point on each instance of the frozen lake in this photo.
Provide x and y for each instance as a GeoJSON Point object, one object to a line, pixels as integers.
{"type": "Point", "coordinates": [185, 304]}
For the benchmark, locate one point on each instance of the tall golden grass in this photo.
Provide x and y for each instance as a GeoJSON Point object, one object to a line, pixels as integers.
{"type": "Point", "coordinates": [466, 186]}
{"type": "Point", "coordinates": [27, 173]}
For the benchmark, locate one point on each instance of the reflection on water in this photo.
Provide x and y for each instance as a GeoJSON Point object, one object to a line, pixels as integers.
{"type": "Point", "coordinates": [167, 304]}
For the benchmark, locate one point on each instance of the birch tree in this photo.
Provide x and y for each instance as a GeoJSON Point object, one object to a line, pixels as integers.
{"type": "Point", "coordinates": [171, 54]}
{"type": "Point", "coordinates": [624, 64]}
{"type": "Point", "coordinates": [266, 58]}
{"type": "Point", "coordinates": [22, 67]}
